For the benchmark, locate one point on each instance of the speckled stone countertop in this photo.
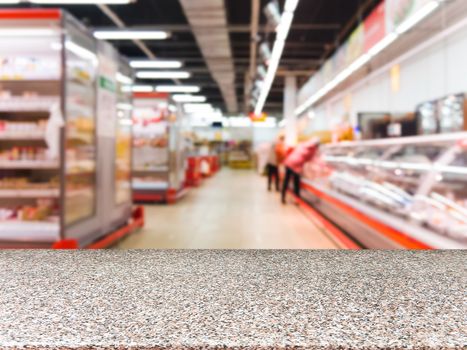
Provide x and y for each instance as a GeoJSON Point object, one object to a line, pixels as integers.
{"type": "Point", "coordinates": [233, 299]}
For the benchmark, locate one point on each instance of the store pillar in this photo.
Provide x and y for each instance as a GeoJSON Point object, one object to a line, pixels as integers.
{"type": "Point", "coordinates": [290, 100]}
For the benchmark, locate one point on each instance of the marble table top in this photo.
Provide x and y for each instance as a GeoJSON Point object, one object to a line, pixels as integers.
{"type": "Point", "coordinates": [214, 299]}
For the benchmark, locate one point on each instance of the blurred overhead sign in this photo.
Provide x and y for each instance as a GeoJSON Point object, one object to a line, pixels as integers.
{"type": "Point", "coordinates": [258, 117]}
{"type": "Point", "coordinates": [375, 27]}
{"type": "Point", "coordinates": [398, 11]}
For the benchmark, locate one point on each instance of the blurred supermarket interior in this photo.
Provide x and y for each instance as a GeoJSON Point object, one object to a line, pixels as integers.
{"type": "Point", "coordinates": [324, 124]}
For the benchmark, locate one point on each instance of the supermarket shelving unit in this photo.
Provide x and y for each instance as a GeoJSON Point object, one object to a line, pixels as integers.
{"type": "Point", "coordinates": [51, 189]}
{"type": "Point", "coordinates": [159, 159]}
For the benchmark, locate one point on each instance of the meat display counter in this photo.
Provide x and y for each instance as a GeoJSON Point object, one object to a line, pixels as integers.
{"type": "Point", "coordinates": [397, 193]}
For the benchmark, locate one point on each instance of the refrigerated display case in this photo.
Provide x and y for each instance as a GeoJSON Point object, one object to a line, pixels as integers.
{"type": "Point", "coordinates": [123, 139]}
{"type": "Point", "coordinates": [114, 138]}
{"type": "Point", "coordinates": [49, 133]}
{"type": "Point", "coordinates": [398, 193]}
{"type": "Point", "coordinates": [158, 159]}
{"type": "Point", "coordinates": [80, 141]}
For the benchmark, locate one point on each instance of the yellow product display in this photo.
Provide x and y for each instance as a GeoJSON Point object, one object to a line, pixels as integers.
{"type": "Point", "coordinates": [240, 164]}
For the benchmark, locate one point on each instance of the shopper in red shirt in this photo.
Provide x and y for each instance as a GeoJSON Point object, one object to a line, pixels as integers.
{"type": "Point", "coordinates": [280, 150]}
{"type": "Point", "coordinates": [294, 165]}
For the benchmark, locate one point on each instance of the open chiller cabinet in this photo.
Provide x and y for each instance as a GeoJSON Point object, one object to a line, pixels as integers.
{"type": "Point", "coordinates": [49, 177]}
{"type": "Point", "coordinates": [114, 125]}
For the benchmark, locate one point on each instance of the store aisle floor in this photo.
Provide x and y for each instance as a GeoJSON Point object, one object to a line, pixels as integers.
{"type": "Point", "coordinates": [232, 210]}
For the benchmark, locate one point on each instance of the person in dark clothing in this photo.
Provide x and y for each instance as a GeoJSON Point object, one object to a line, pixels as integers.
{"type": "Point", "coordinates": [294, 165]}
{"type": "Point", "coordinates": [295, 177]}
{"type": "Point", "coordinates": [273, 174]}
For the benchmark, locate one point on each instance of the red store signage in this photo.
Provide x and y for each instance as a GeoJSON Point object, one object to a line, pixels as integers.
{"type": "Point", "coordinates": [375, 26]}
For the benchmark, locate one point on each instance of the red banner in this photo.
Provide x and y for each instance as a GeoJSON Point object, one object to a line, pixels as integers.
{"type": "Point", "coordinates": [375, 26]}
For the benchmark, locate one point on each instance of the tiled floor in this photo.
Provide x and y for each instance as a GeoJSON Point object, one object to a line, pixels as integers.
{"type": "Point", "coordinates": [231, 210]}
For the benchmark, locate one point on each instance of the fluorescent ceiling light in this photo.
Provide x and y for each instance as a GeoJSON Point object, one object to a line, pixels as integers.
{"type": "Point", "coordinates": [272, 13]}
{"type": "Point", "coordinates": [290, 5]}
{"type": "Point", "coordinates": [265, 51]}
{"type": "Point", "coordinates": [27, 31]}
{"type": "Point", "coordinates": [131, 35]}
{"type": "Point", "coordinates": [417, 17]}
{"type": "Point", "coordinates": [177, 88]}
{"type": "Point", "coordinates": [139, 88]}
{"type": "Point", "coordinates": [270, 75]}
{"type": "Point", "coordinates": [121, 78]}
{"type": "Point", "coordinates": [155, 64]}
{"type": "Point", "coordinates": [283, 28]}
{"type": "Point", "coordinates": [163, 75]}
{"type": "Point", "coordinates": [261, 71]}
{"type": "Point", "coordinates": [189, 98]}
{"type": "Point", "coordinates": [84, 2]}
{"type": "Point", "coordinates": [197, 107]}
{"type": "Point", "coordinates": [281, 35]}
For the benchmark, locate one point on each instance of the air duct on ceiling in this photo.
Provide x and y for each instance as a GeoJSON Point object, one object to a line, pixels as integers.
{"type": "Point", "coordinates": [208, 21]}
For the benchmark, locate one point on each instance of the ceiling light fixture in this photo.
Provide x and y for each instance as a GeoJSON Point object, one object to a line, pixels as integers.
{"type": "Point", "coordinates": [282, 31]}
{"type": "Point", "coordinates": [265, 52]}
{"type": "Point", "coordinates": [138, 88]}
{"type": "Point", "coordinates": [291, 6]}
{"type": "Point", "coordinates": [155, 64]}
{"type": "Point", "coordinates": [178, 88]}
{"type": "Point", "coordinates": [188, 98]}
{"type": "Point", "coordinates": [261, 71]}
{"type": "Point", "coordinates": [198, 107]}
{"type": "Point", "coordinates": [131, 35]}
{"type": "Point", "coordinates": [162, 75]}
{"type": "Point", "coordinates": [80, 2]}
{"type": "Point", "coordinates": [272, 13]}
